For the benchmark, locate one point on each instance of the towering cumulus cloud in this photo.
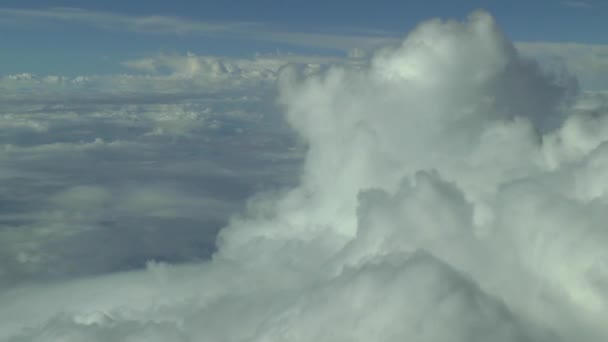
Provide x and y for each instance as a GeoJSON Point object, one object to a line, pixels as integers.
{"type": "Point", "coordinates": [451, 192]}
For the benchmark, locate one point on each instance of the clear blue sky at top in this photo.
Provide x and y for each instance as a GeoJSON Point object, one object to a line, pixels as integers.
{"type": "Point", "coordinates": [81, 47]}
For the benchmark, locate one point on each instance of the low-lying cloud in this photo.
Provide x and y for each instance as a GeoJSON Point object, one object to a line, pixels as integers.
{"type": "Point", "coordinates": [452, 190]}
{"type": "Point", "coordinates": [92, 188]}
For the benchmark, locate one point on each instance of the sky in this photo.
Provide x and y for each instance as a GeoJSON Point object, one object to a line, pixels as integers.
{"type": "Point", "coordinates": [286, 171]}
{"type": "Point", "coordinates": [102, 34]}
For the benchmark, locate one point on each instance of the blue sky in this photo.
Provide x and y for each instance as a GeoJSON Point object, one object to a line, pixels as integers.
{"type": "Point", "coordinates": [39, 37]}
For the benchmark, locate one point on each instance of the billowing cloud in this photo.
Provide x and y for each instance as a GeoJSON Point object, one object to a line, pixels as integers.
{"type": "Point", "coordinates": [452, 190]}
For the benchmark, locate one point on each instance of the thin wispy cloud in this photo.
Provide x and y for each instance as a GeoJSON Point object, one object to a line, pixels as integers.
{"type": "Point", "coordinates": [117, 21]}
{"type": "Point", "coordinates": [169, 25]}
{"type": "Point", "coordinates": [577, 4]}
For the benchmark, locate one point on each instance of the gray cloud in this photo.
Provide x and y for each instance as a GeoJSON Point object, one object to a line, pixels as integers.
{"type": "Point", "coordinates": [587, 61]}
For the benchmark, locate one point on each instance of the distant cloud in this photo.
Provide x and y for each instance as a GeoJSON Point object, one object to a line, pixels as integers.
{"type": "Point", "coordinates": [151, 176]}
{"type": "Point", "coordinates": [159, 24]}
{"type": "Point", "coordinates": [160, 78]}
{"type": "Point", "coordinates": [152, 161]}
{"type": "Point", "coordinates": [577, 4]}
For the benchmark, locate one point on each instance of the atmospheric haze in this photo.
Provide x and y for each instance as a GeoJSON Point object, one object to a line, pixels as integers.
{"type": "Point", "coordinates": [452, 190]}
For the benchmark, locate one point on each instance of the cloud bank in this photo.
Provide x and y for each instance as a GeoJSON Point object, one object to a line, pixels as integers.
{"type": "Point", "coordinates": [451, 191]}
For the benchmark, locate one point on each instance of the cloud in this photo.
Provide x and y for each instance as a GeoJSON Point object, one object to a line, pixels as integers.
{"type": "Point", "coordinates": [161, 79]}
{"type": "Point", "coordinates": [167, 25]}
{"type": "Point", "coordinates": [588, 62]}
{"type": "Point", "coordinates": [451, 190]}
{"type": "Point", "coordinates": [115, 21]}
{"type": "Point", "coordinates": [77, 173]}
{"type": "Point", "coordinates": [577, 4]}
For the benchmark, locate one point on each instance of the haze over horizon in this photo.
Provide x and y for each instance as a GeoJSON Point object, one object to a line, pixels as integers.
{"type": "Point", "coordinates": [205, 171]}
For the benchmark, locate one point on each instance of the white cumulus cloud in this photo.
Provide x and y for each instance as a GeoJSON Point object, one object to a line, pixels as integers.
{"type": "Point", "coordinates": [452, 190]}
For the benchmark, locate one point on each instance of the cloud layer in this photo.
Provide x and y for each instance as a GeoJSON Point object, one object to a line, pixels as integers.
{"type": "Point", "coordinates": [452, 190]}
{"type": "Point", "coordinates": [109, 182]}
